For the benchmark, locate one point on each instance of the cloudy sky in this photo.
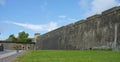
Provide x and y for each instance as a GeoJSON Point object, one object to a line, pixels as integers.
{"type": "Point", "coordinates": [41, 16]}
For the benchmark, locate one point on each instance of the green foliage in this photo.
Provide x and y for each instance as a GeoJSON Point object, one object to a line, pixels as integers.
{"type": "Point", "coordinates": [28, 39]}
{"type": "Point", "coordinates": [22, 37]}
{"type": "Point", "coordinates": [69, 56]}
{"type": "Point", "coordinates": [12, 38]}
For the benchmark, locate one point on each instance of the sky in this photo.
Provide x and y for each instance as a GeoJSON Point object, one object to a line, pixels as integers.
{"type": "Point", "coordinates": [42, 16]}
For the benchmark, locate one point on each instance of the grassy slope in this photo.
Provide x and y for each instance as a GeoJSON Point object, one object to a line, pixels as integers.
{"type": "Point", "coordinates": [69, 56]}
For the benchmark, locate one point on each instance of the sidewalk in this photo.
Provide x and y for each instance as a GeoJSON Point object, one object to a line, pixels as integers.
{"type": "Point", "coordinates": [7, 54]}
{"type": "Point", "coordinates": [8, 57]}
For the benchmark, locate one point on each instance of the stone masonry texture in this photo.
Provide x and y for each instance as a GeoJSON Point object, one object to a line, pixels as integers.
{"type": "Point", "coordinates": [101, 31]}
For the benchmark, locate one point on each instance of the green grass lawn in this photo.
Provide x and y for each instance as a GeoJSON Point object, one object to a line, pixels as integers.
{"type": "Point", "coordinates": [69, 56]}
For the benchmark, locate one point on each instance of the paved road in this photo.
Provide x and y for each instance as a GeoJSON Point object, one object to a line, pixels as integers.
{"type": "Point", "coordinates": [8, 57]}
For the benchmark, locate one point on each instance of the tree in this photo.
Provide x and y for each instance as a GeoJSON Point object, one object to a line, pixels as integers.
{"type": "Point", "coordinates": [23, 37]}
{"type": "Point", "coordinates": [12, 38]}
{"type": "Point", "coordinates": [28, 39]}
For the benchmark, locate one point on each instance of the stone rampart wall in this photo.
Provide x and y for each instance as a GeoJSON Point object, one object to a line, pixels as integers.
{"type": "Point", "coordinates": [101, 31]}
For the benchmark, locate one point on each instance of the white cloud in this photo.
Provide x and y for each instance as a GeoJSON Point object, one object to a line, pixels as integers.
{"type": "Point", "coordinates": [51, 26]}
{"type": "Point", "coordinates": [66, 19]}
{"type": "Point", "coordinates": [101, 5]}
{"type": "Point", "coordinates": [2, 2]}
{"type": "Point", "coordinates": [83, 4]}
{"type": "Point", "coordinates": [97, 6]}
{"type": "Point", "coordinates": [45, 27]}
{"type": "Point", "coordinates": [62, 16]}
{"type": "Point", "coordinates": [71, 19]}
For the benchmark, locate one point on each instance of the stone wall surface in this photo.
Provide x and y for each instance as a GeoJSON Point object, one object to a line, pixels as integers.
{"type": "Point", "coordinates": [101, 31]}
